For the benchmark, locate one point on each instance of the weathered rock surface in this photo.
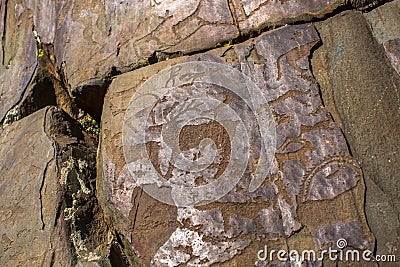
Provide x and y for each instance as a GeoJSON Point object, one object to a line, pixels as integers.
{"type": "Point", "coordinates": [254, 15]}
{"type": "Point", "coordinates": [93, 40]}
{"type": "Point", "coordinates": [90, 40]}
{"type": "Point", "coordinates": [385, 25]}
{"type": "Point", "coordinates": [361, 89]}
{"type": "Point", "coordinates": [312, 196]}
{"type": "Point", "coordinates": [392, 49]}
{"type": "Point", "coordinates": [18, 56]}
{"type": "Point", "coordinates": [70, 53]}
{"type": "Point", "coordinates": [48, 215]}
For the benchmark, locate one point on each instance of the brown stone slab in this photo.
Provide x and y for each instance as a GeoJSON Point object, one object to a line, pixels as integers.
{"type": "Point", "coordinates": [312, 195]}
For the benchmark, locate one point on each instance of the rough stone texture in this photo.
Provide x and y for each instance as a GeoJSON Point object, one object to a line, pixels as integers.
{"type": "Point", "coordinates": [125, 33]}
{"type": "Point", "coordinates": [254, 15]}
{"type": "Point", "coordinates": [97, 38]}
{"type": "Point", "coordinates": [66, 53]}
{"type": "Point", "coordinates": [385, 21]}
{"type": "Point", "coordinates": [90, 39]}
{"type": "Point", "coordinates": [385, 25]}
{"type": "Point", "coordinates": [361, 89]}
{"type": "Point", "coordinates": [46, 197]}
{"type": "Point", "coordinates": [29, 196]}
{"type": "Point", "coordinates": [392, 49]}
{"type": "Point", "coordinates": [312, 196]}
{"type": "Point", "coordinates": [18, 59]}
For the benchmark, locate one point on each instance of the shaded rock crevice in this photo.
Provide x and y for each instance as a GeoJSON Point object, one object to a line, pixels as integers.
{"type": "Point", "coordinates": [3, 37]}
{"type": "Point", "coordinates": [89, 235]}
{"type": "Point", "coordinates": [90, 97]}
{"type": "Point", "coordinates": [45, 88]}
{"type": "Point", "coordinates": [41, 192]}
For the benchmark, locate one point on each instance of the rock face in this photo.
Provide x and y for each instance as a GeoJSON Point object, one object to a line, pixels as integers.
{"type": "Point", "coordinates": [224, 133]}
{"type": "Point", "coordinates": [385, 25]}
{"type": "Point", "coordinates": [103, 37]}
{"type": "Point", "coordinates": [46, 184]}
{"type": "Point", "coordinates": [312, 171]}
{"type": "Point", "coordinates": [367, 105]}
{"type": "Point", "coordinates": [30, 196]}
{"type": "Point", "coordinates": [254, 15]}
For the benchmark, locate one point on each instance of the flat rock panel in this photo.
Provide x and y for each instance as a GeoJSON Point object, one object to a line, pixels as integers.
{"type": "Point", "coordinates": [361, 89]}
{"type": "Point", "coordinates": [29, 195]}
{"type": "Point", "coordinates": [312, 195]}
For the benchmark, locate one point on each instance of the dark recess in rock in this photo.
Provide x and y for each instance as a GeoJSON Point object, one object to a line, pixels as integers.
{"type": "Point", "coordinates": [45, 88]}
{"type": "Point", "coordinates": [90, 97]}
{"type": "Point", "coordinates": [117, 258]}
